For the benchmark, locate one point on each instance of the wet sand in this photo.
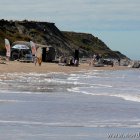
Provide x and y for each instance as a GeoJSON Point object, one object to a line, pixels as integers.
{"type": "Point", "coordinates": [16, 66]}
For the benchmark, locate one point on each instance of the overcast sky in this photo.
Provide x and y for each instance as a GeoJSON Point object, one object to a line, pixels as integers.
{"type": "Point", "coordinates": [116, 22]}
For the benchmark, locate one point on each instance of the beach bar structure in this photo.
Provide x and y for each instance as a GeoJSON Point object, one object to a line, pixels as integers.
{"type": "Point", "coordinates": [48, 52]}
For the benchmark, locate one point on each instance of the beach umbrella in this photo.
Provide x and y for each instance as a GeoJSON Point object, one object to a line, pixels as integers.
{"type": "Point", "coordinates": [20, 47]}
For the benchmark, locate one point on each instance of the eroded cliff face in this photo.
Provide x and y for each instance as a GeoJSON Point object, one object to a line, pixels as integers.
{"type": "Point", "coordinates": [40, 32]}
{"type": "Point", "coordinates": [46, 33]}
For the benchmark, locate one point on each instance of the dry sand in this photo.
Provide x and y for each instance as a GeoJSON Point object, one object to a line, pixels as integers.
{"type": "Point", "coordinates": [16, 66]}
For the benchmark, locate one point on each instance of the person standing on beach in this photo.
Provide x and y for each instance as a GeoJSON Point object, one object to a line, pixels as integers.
{"type": "Point", "coordinates": [119, 61]}
{"type": "Point", "coordinates": [39, 55]}
{"type": "Point", "coordinates": [94, 59]}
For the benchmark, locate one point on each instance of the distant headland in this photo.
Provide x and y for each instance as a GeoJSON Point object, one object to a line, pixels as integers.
{"type": "Point", "coordinates": [64, 42]}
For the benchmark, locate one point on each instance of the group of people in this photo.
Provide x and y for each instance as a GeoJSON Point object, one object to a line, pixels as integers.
{"type": "Point", "coordinates": [68, 61]}
{"type": "Point", "coordinates": [95, 58]}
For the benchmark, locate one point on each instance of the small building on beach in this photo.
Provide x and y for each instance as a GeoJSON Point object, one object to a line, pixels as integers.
{"type": "Point", "coordinates": [22, 49]}
{"type": "Point", "coordinates": [48, 52]}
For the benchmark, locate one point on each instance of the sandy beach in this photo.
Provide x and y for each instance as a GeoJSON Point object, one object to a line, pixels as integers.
{"type": "Point", "coordinates": [16, 66]}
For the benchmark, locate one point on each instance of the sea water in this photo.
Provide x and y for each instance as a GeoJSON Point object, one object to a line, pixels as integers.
{"type": "Point", "coordinates": [84, 105]}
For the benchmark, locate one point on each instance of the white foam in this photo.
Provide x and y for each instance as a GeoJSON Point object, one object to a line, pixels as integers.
{"type": "Point", "coordinates": [19, 92]}
{"type": "Point", "coordinates": [95, 124]}
{"type": "Point", "coordinates": [9, 101]}
{"type": "Point", "coordinates": [75, 89]}
{"type": "Point", "coordinates": [128, 97]}
{"type": "Point", "coordinates": [73, 78]}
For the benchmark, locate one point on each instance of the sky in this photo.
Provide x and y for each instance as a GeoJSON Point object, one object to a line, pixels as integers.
{"type": "Point", "coordinates": [115, 22]}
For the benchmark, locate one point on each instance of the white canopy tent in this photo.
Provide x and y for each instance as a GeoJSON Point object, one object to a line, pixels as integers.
{"type": "Point", "coordinates": [20, 47]}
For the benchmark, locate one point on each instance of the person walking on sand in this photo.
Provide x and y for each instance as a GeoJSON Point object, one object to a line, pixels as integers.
{"type": "Point", "coordinates": [39, 56]}
{"type": "Point", "coordinates": [36, 53]}
{"type": "Point", "coordinates": [39, 60]}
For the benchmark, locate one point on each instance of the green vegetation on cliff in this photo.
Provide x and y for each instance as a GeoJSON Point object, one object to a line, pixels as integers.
{"type": "Point", "coordinates": [90, 44]}
{"type": "Point", "coordinates": [47, 33]}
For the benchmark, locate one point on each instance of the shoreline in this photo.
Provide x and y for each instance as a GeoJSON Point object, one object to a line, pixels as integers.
{"type": "Point", "coordinates": [20, 67]}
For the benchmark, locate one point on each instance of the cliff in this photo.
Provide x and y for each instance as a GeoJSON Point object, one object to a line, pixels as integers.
{"type": "Point", "coordinates": [46, 33]}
